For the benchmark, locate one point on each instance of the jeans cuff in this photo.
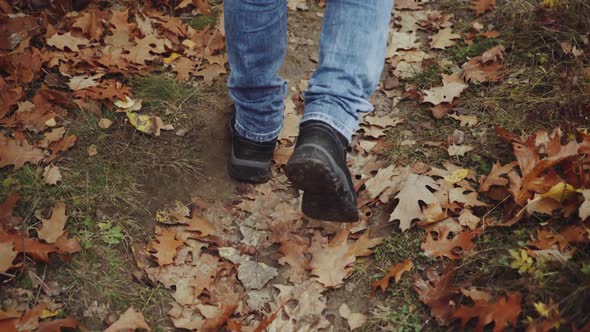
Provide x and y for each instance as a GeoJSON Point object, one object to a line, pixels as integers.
{"type": "Point", "coordinates": [256, 137]}
{"type": "Point", "coordinates": [346, 129]}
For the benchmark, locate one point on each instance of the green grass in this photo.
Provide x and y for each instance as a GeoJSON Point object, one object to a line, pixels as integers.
{"type": "Point", "coordinates": [427, 78]}
{"type": "Point", "coordinates": [463, 52]}
{"type": "Point", "coordinates": [200, 22]}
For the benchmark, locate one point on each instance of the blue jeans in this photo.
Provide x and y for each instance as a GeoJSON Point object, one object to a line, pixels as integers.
{"type": "Point", "coordinates": [352, 51]}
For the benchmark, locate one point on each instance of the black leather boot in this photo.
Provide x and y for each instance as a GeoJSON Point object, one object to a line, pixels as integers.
{"type": "Point", "coordinates": [318, 167]}
{"type": "Point", "coordinates": [249, 161]}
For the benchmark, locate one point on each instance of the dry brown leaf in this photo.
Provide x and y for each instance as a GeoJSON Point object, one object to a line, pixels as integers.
{"type": "Point", "coordinates": [413, 190]}
{"type": "Point", "coordinates": [164, 247]}
{"type": "Point", "coordinates": [482, 6]}
{"type": "Point", "coordinates": [396, 272]}
{"type": "Point", "coordinates": [354, 319]}
{"type": "Point", "coordinates": [294, 249]}
{"type": "Point", "coordinates": [465, 120]}
{"type": "Point", "coordinates": [402, 41]}
{"type": "Point", "coordinates": [468, 219]}
{"type": "Point", "coordinates": [7, 219]}
{"type": "Point", "coordinates": [7, 255]}
{"type": "Point", "coordinates": [443, 39]}
{"type": "Point", "coordinates": [53, 228]}
{"type": "Point", "coordinates": [444, 94]}
{"type": "Point", "coordinates": [458, 150]}
{"type": "Point", "coordinates": [51, 174]}
{"type": "Point", "coordinates": [17, 153]}
{"type": "Point", "coordinates": [438, 244]}
{"type": "Point", "coordinates": [495, 178]}
{"type": "Point", "coordinates": [67, 41]}
{"type": "Point", "coordinates": [331, 262]}
{"type": "Point", "coordinates": [130, 320]}
{"type": "Point", "coordinates": [407, 4]}
{"type": "Point", "coordinates": [437, 292]}
{"type": "Point", "coordinates": [503, 312]}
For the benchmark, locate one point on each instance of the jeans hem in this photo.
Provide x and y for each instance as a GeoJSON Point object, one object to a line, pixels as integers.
{"type": "Point", "coordinates": [266, 137]}
{"type": "Point", "coordinates": [339, 126]}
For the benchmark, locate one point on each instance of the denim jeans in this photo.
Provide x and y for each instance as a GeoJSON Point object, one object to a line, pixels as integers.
{"type": "Point", "coordinates": [351, 56]}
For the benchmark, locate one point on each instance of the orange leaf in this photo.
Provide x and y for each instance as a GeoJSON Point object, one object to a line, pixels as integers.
{"type": "Point", "coordinates": [481, 6]}
{"type": "Point", "coordinates": [504, 311]}
{"type": "Point", "coordinates": [396, 272]}
{"type": "Point", "coordinates": [438, 244]}
{"type": "Point", "coordinates": [130, 320]}
{"type": "Point", "coordinates": [437, 292]}
{"type": "Point", "coordinates": [7, 219]}
{"type": "Point", "coordinates": [53, 228]}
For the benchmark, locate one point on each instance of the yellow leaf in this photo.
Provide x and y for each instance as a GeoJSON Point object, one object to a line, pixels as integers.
{"type": "Point", "coordinates": [542, 309]}
{"type": "Point", "coordinates": [48, 314]}
{"type": "Point", "coordinates": [561, 191]}
{"type": "Point", "coordinates": [457, 175]}
{"type": "Point", "coordinates": [172, 57]}
{"type": "Point", "coordinates": [148, 124]}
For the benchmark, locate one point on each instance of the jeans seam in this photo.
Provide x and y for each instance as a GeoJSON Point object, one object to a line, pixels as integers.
{"type": "Point", "coordinates": [265, 137]}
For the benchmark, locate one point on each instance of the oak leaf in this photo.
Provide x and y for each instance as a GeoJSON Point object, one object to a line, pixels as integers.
{"type": "Point", "coordinates": [495, 178]}
{"type": "Point", "coordinates": [130, 320]}
{"type": "Point", "coordinates": [7, 255]}
{"type": "Point", "coordinates": [38, 250]}
{"type": "Point", "coordinates": [482, 6]}
{"type": "Point", "coordinates": [51, 174]}
{"type": "Point", "coordinates": [414, 190]}
{"type": "Point", "coordinates": [331, 262]}
{"type": "Point", "coordinates": [18, 152]}
{"type": "Point", "coordinates": [407, 4]}
{"type": "Point", "coordinates": [396, 272]}
{"type": "Point", "coordinates": [164, 247]}
{"type": "Point", "coordinates": [354, 319]}
{"type": "Point", "coordinates": [442, 241]}
{"type": "Point", "coordinates": [437, 292]}
{"type": "Point", "coordinates": [7, 219]}
{"type": "Point", "coordinates": [444, 94]}
{"type": "Point", "coordinates": [443, 39]}
{"type": "Point", "coordinates": [294, 250]}
{"type": "Point", "coordinates": [503, 312]}
{"type": "Point", "coordinates": [53, 228]}
{"type": "Point", "coordinates": [67, 41]}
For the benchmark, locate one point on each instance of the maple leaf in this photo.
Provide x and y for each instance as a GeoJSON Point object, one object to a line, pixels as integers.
{"type": "Point", "coordinates": [18, 152]}
{"type": "Point", "coordinates": [130, 320]}
{"type": "Point", "coordinates": [503, 312]}
{"type": "Point", "coordinates": [437, 292]}
{"type": "Point", "coordinates": [53, 228]}
{"type": "Point", "coordinates": [482, 6]}
{"type": "Point", "coordinates": [413, 190]}
{"type": "Point", "coordinates": [438, 244]}
{"type": "Point", "coordinates": [164, 246]}
{"type": "Point", "coordinates": [331, 262]}
{"type": "Point", "coordinates": [67, 41]}
{"type": "Point", "coordinates": [396, 272]}
{"type": "Point", "coordinates": [443, 39]}
{"type": "Point", "coordinates": [7, 219]}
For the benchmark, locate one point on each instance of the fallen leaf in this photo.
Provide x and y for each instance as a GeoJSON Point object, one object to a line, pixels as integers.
{"type": "Point", "coordinates": [458, 150]}
{"type": "Point", "coordinates": [444, 241]}
{"type": "Point", "coordinates": [437, 292]}
{"type": "Point", "coordinates": [584, 211]}
{"type": "Point", "coordinates": [149, 124]}
{"type": "Point", "coordinates": [253, 275]}
{"type": "Point", "coordinates": [104, 123]}
{"type": "Point", "coordinates": [495, 178]}
{"type": "Point", "coordinates": [465, 120]}
{"type": "Point", "coordinates": [396, 272]}
{"type": "Point", "coordinates": [444, 94]}
{"type": "Point", "coordinates": [18, 152]}
{"type": "Point", "coordinates": [468, 219]}
{"type": "Point", "coordinates": [92, 150]}
{"type": "Point", "coordinates": [407, 4]}
{"type": "Point", "coordinates": [482, 6]}
{"type": "Point", "coordinates": [7, 219]}
{"type": "Point", "coordinates": [84, 81]}
{"type": "Point", "coordinates": [53, 228]}
{"type": "Point", "coordinates": [331, 262]}
{"type": "Point", "coordinates": [67, 41]}
{"type": "Point", "coordinates": [164, 247]}
{"type": "Point", "coordinates": [503, 312]}
{"type": "Point", "coordinates": [294, 250]}
{"type": "Point", "coordinates": [355, 320]}
{"type": "Point", "coordinates": [130, 320]}
{"type": "Point", "coordinates": [413, 190]}
{"type": "Point", "coordinates": [51, 174]}
{"type": "Point", "coordinates": [443, 39]}
{"type": "Point", "coordinates": [7, 255]}
{"type": "Point", "coordinates": [457, 175]}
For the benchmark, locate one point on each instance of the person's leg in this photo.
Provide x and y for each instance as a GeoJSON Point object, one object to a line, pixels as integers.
{"type": "Point", "coordinates": [352, 51]}
{"type": "Point", "coordinates": [256, 37]}
{"type": "Point", "coordinates": [353, 44]}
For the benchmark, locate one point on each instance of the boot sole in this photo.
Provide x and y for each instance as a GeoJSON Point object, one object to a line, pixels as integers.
{"type": "Point", "coordinates": [248, 170]}
{"type": "Point", "coordinates": [327, 194]}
